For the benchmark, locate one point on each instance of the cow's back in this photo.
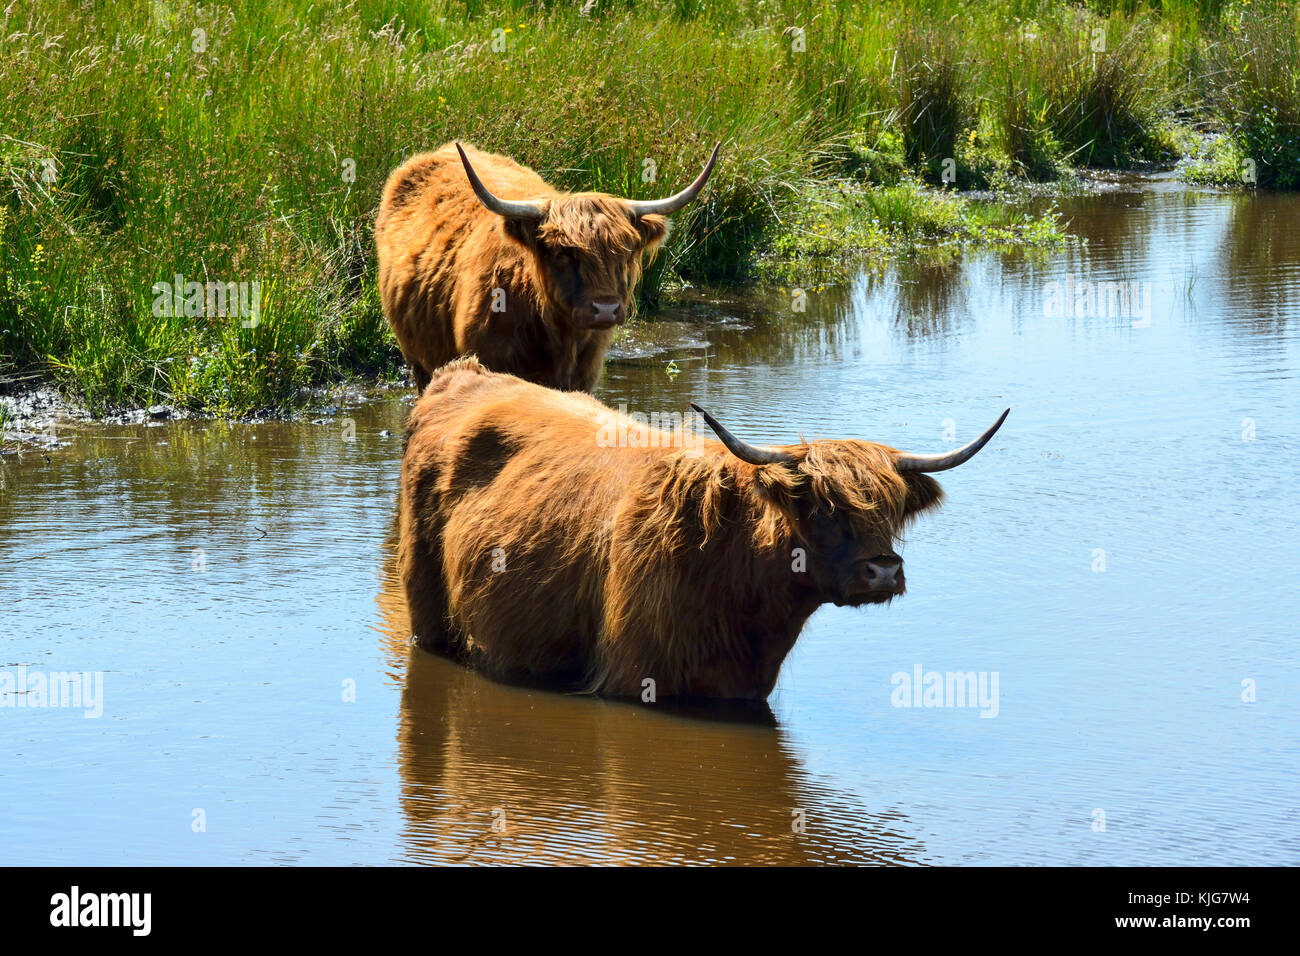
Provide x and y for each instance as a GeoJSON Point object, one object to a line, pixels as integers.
{"type": "Point", "coordinates": [538, 541]}
{"type": "Point", "coordinates": [507, 493]}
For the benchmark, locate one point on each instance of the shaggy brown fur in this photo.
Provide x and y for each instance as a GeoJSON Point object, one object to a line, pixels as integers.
{"type": "Point", "coordinates": [532, 552]}
{"type": "Point", "coordinates": [442, 255]}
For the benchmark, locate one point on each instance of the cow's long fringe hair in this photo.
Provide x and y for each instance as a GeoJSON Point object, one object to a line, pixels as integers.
{"type": "Point", "coordinates": [593, 223]}
{"type": "Point", "coordinates": [597, 226]}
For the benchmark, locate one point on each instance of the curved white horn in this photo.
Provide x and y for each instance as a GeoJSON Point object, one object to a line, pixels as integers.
{"type": "Point", "coordinates": [951, 459]}
{"type": "Point", "coordinates": [666, 207]}
{"type": "Point", "coordinates": [511, 209]}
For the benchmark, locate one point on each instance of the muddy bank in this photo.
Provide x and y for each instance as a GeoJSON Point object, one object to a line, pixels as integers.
{"type": "Point", "coordinates": [41, 417]}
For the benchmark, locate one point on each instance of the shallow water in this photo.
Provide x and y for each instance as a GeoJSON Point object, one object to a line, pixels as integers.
{"type": "Point", "coordinates": [1121, 557]}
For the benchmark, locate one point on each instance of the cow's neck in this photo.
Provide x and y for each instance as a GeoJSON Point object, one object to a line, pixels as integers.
{"type": "Point", "coordinates": [748, 666]}
{"type": "Point", "coordinates": [572, 360]}
{"type": "Point", "coordinates": [774, 637]}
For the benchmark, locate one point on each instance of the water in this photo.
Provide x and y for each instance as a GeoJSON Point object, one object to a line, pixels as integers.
{"type": "Point", "coordinates": [267, 708]}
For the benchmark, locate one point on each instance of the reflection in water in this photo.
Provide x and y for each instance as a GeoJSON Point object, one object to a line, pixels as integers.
{"type": "Point", "coordinates": [1261, 234]}
{"type": "Point", "coordinates": [494, 773]}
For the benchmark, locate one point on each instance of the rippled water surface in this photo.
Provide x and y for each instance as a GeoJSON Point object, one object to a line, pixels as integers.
{"type": "Point", "coordinates": [1122, 557]}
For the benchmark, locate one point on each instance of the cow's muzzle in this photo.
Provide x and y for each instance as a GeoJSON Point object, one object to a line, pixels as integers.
{"type": "Point", "coordinates": [602, 315]}
{"type": "Point", "coordinates": [877, 580]}
{"type": "Point", "coordinates": [884, 573]}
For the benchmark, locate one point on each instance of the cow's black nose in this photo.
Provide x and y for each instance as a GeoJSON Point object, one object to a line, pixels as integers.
{"type": "Point", "coordinates": [883, 571]}
{"type": "Point", "coordinates": [607, 313]}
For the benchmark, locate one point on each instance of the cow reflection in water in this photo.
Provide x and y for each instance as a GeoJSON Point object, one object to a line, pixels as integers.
{"type": "Point", "coordinates": [493, 773]}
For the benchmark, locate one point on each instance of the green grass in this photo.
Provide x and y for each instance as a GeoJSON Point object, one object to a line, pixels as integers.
{"type": "Point", "coordinates": [836, 228]}
{"type": "Point", "coordinates": [1258, 60]}
{"type": "Point", "coordinates": [1213, 161]}
{"type": "Point", "coordinates": [142, 141]}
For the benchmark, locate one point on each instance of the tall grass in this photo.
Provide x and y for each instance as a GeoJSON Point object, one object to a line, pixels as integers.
{"type": "Point", "coordinates": [250, 143]}
{"type": "Point", "coordinates": [933, 96]}
{"type": "Point", "coordinates": [1074, 87]}
{"type": "Point", "coordinates": [1104, 104]}
{"type": "Point", "coordinates": [1258, 61]}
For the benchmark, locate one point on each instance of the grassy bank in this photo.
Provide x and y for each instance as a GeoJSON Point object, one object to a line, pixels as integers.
{"type": "Point", "coordinates": [145, 142]}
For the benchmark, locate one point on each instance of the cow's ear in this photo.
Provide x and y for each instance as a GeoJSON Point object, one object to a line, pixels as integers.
{"type": "Point", "coordinates": [923, 493]}
{"type": "Point", "coordinates": [526, 232]}
{"type": "Point", "coordinates": [653, 229]}
{"type": "Point", "coordinates": [780, 487]}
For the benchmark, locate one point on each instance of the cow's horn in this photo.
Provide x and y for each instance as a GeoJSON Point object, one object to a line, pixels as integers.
{"type": "Point", "coordinates": [949, 459]}
{"type": "Point", "coordinates": [509, 208]}
{"type": "Point", "coordinates": [666, 207]}
{"type": "Point", "coordinates": [743, 450]}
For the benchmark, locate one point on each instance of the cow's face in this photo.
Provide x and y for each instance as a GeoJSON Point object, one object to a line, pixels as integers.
{"type": "Point", "coordinates": [587, 255]}
{"type": "Point", "coordinates": [845, 503]}
{"type": "Point", "coordinates": [586, 249]}
{"type": "Point", "coordinates": [851, 556]}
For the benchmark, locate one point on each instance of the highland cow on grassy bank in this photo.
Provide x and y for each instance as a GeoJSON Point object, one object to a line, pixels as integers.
{"type": "Point", "coordinates": [477, 254]}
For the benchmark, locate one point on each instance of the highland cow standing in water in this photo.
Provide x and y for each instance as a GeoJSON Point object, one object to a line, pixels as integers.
{"type": "Point", "coordinates": [534, 550]}
{"type": "Point", "coordinates": [477, 254]}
